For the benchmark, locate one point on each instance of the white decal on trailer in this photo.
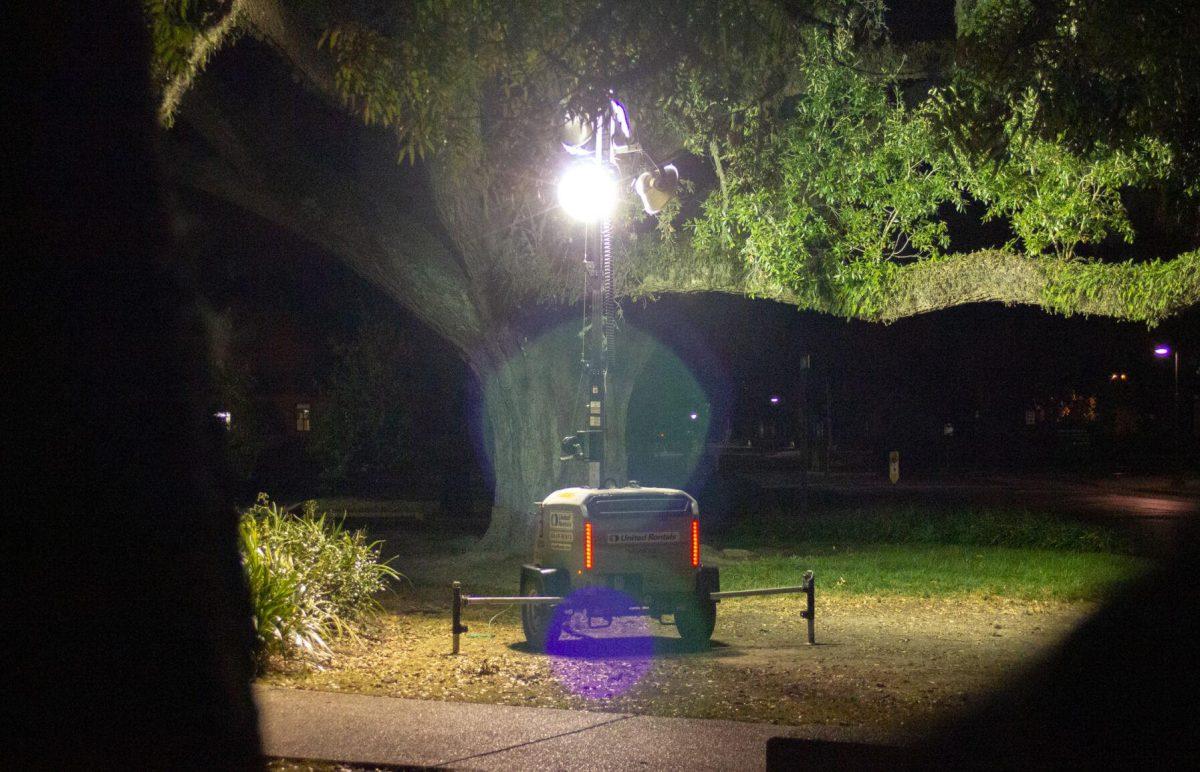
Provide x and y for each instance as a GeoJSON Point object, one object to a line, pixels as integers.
{"type": "Point", "coordinates": [643, 538]}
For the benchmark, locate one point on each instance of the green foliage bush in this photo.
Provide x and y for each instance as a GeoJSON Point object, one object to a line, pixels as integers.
{"type": "Point", "coordinates": [309, 578]}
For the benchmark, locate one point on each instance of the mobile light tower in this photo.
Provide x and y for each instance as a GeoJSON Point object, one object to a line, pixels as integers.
{"type": "Point", "coordinates": [588, 192]}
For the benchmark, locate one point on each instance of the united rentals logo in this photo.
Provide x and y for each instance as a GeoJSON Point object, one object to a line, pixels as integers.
{"type": "Point", "coordinates": [643, 538]}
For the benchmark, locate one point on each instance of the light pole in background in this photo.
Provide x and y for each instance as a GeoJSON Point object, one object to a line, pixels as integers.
{"type": "Point", "coordinates": [1166, 351]}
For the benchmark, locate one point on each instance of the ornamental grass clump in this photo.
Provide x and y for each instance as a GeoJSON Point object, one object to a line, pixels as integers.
{"type": "Point", "coordinates": [310, 579]}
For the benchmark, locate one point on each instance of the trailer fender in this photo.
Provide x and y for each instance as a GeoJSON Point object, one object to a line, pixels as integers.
{"type": "Point", "coordinates": [553, 581]}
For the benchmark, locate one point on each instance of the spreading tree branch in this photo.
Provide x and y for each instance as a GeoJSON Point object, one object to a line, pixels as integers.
{"type": "Point", "coordinates": [364, 223]}
{"type": "Point", "coordinates": [1142, 292]}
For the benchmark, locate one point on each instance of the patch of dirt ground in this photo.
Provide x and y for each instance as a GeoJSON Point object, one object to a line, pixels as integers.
{"type": "Point", "coordinates": [893, 663]}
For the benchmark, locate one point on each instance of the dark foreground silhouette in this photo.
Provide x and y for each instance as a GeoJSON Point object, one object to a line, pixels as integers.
{"type": "Point", "coordinates": [125, 617]}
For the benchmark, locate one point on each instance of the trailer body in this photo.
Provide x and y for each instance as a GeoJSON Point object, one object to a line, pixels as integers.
{"type": "Point", "coordinates": [613, 552]}
{"type": "Point", "coordinates": [642, 543]}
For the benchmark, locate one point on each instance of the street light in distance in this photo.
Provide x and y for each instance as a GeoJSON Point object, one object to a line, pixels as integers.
{"type": "Point", "coordinates": [1166, 351]}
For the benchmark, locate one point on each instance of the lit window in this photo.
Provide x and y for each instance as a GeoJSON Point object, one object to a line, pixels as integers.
{"type": "Point", "coordinates": [303, 417]}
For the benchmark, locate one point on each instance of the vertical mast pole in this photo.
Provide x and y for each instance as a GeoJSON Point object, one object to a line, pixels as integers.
{"type": "Point", "coordinates": [595, 277]}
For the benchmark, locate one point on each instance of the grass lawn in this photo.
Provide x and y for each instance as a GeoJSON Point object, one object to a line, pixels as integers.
{"type": "Point", "coordinates": [932, 570]}
{"type": "Point", "coordinates": [925, 553]}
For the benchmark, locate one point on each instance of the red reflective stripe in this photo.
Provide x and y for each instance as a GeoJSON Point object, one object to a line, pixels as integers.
{"type": "Point", "coordinates": [695, 543]}
{"type": "Point", "coordinates": [587, 546]}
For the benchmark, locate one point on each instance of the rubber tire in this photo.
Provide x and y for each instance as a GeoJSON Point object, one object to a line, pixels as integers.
{"type": "Point", "coordinates": [695, 621]}
{"type": "Point", "coordinates": [539, 621]}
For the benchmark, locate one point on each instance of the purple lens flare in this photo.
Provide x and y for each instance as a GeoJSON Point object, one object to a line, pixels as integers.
{"type": "Point", "coordinates": [603, 647]}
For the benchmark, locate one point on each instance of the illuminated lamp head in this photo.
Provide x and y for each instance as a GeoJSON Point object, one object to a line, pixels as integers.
{"type": "Point", "coordinates": [587, 191]}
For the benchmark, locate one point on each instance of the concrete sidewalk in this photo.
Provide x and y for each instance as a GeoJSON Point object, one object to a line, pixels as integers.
{"type": "Point", "coordinates": [386, 730]}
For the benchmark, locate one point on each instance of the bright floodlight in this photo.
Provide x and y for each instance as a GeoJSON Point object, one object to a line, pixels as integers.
{"type": "Point", "coordinates": [1162, 351]}
{"type": "Point", "coordinates": [587, 191]}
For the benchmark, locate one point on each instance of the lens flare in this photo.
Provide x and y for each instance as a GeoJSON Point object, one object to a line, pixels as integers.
{"type": "Point", "coordinates": [603, 649]}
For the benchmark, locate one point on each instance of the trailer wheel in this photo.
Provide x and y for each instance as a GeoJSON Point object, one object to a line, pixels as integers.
{"type": "Point", "coordinates": [539, 622]}
{"type": "Point", "coordinates": [695, 621]}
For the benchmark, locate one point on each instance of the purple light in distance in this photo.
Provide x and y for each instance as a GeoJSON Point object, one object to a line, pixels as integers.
{"type": "Point", "coordinates": [774, 400]}
{"type": "Point", "coordinates": [1162, 351]}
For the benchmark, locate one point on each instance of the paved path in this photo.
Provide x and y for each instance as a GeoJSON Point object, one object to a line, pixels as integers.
{"type": "Point", "coordinates": [386, 730]}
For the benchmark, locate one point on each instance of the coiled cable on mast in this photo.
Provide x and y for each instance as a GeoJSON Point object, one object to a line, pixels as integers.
{"type": "Point", "coordinates": [608, 303]}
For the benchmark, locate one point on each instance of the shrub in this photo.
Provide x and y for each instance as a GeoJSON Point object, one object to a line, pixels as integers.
{"type": "Point", "coordinates": [309, 578]}
{"type": "Point", "coordinates": [283, 622]}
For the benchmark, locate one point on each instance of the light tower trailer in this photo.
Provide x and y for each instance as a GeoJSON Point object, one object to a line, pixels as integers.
{"type": "Point", "coordinates": [642, 545]}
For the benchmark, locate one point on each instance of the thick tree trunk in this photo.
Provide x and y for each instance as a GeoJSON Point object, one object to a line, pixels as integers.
{"type": "Point", "coordinates": [525, 420]}
{"type": "Point", "coordinates": [532, 398]}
